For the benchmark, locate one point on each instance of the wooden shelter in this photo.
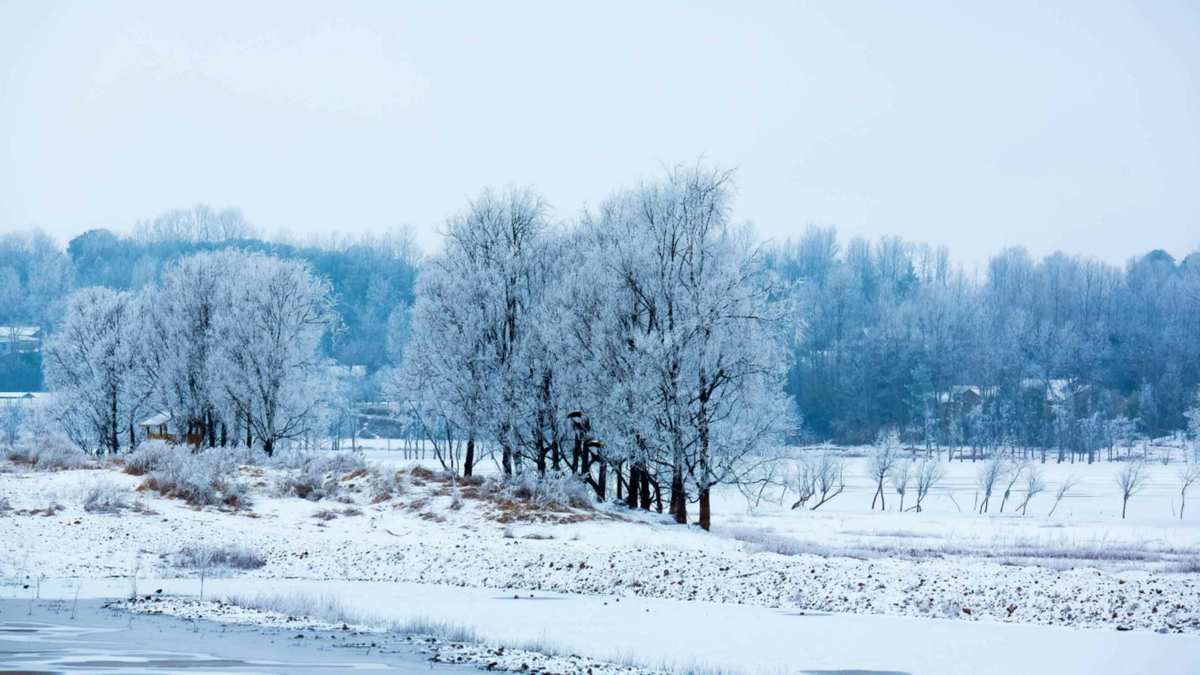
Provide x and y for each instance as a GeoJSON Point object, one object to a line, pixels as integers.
{"type": "Point", "coordinates": [155, 428]}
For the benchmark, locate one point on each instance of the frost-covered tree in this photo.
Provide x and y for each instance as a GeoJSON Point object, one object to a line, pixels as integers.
{"type": "Point", "coordinates": [268, 362]}
{"type": "Point", "coordinates": [481, 292]}
{"type": "Point", "coordinates": [1193, 418]}
{"type": "Point", "coordinates": [689, 338]}
{"type": "Point", "coordinates": [884, 457]}
{"type": "Point", "coordinates": [90, 362]}
{"type": "Point", "coordinates": [180, 345]}
{"type": "Point", "coordinates": [12, 416]}
{"type": "Point", "coordinates": [442, 384]}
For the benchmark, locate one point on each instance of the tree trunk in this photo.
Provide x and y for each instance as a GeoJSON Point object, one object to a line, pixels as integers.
{"type": "Point", "coordinates": [705, 511]}
{"type": "Point", "coordinates": [631, 487]}
{"type": "Point", "coordinates": [469, 461]}
{"type": "Point", "coordinates": [114, 440]}
{"type": "Point", "coordinates": [602, 481]}
{"type": "Point", "coordinates": [645, 489]}
{"type": "Point", "coordinates": [269, 446]}
{"type": "Point", "coordinates": [678, 502]}
{"type": "Point", "coordinates": [506, 460]}
{"type": "Point", "coordinates": [620, 482]}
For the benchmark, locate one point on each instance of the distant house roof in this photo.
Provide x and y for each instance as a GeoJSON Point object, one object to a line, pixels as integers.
{"type": "Point", "coordinates": [1056, 389]}
{"type": "Point", "coordinates": [959, 391]}
{"type": "Point", "coordinates": [348, 371]}
{"type": "Point", "coordinates": [16, 396]}
{"type": "Point", "coordinates": [20, 332]}
{"type": "Point", "coordinates": [155, 421]}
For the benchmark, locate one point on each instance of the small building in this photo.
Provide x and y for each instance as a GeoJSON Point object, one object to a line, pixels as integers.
{"type": "Point", "coordinates": [156, 428]}
{"type": "Point", "coordinates": [20, 339]}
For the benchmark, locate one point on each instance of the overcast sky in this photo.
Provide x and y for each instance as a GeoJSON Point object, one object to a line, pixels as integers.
{"type": "Point", "coordinates": [977, 125]}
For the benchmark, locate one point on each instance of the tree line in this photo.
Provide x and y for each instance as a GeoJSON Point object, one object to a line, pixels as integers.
{"type": "Point", "coordinates": [1066, 353]}
{"type": "Point", "coordinates": [371, 278]}
{"type": "Point", "coordinates": [651, 345]}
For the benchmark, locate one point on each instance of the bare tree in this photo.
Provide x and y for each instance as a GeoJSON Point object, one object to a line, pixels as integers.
{"type": "Point", "coordinates": [880, 466]}
{"type": "Point", "coordinates": [1034, 486]}
{"type": "Point", "coordinates": [804, 482]}
{"type": "Point", "coordinates": [929, 473]}
{"type": "Point", "coordinates": [1131, 479]}
{"type": "Point", "coordinates": [12, 414]}
{"type": "Point", "coordinates": [989, 475]}
{"type": "Point", "coordinates": [901, 476]}
{"type": "Point", "coordinates": [1066, 486]}
{"type": "Point", "coordinates": [831, 480]}
{"type": "Point", "coordinates": [1189, 473]}
{"type": "Point", "coordinates": [1012, 481]}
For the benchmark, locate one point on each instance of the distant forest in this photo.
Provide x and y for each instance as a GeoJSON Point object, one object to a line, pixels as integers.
{"type": "Point", "coordinates": [893, 336]}
{"type": "Point", "coordinates": [372, 278]}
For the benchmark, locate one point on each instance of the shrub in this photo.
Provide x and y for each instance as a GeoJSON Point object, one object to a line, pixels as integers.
{"type": "Point", "coordinates": [383, 487]}
{"type": "Point", "coordinates": [209, 557]}
{"type": "Point", "coordinates": [559, 490]}
{"type": "Point", "coordinates": [150, 456]}
{"type": "Point", "coordinates": [105, 497]}
{"type": "Point", "coordinates": [206, 478]}
{"type": "Point", "coordinates": [325, 514]}
{"type": "Point", "coordinates": [326, 608]}
{"type": "Point", "coordinates": [329, 609]}
{"type": "Point", "coordinates": [314, 476]}
{"type": "Point", "coordinates": [51, 453]}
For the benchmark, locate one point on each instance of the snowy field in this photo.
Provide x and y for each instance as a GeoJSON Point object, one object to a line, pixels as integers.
{"type": "Point", "coordinates": [770, 590]}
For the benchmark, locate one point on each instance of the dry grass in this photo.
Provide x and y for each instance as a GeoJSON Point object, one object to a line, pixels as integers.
{"type": "Point", "coordinates": [209, 557]}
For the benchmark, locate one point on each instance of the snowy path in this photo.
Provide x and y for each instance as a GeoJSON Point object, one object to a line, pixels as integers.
{"type": "Point", "coordinates": [740, 638]}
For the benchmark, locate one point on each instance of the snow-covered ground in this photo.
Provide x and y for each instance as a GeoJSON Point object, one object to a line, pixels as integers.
{"type": "Point", "coordinates": [770, 590]}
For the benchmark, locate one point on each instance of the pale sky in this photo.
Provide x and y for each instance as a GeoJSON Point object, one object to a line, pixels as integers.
{"type": "Point", "coordinates": [1072, 126]}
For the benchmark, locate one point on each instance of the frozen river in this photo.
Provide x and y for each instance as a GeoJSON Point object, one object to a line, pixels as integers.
{"type": "Point", "coordinates": [43, 638]}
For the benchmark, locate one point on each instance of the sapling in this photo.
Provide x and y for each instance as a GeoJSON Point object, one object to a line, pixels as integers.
{"type": "Point", "coordinates": [804, 482]}
{"type": "Point", "coordinates": [133, 575]}
{"type": "Point", "coordinates": [929, 473]}
{"type": "Point", "coordinates": [1012, 481]}
{"type": "Point", "coordinates": [989, 475]}
{"type": "Point", "coordinates": [831, 480]}
{"type": "Point", "coordinates": [900, 478]}
{"type": "Point", "coordinates": [1130, 479]}
{"type": "Point", "coordinates": [1034, 485]}
{"type": "Point", "coordinates": [1062, 491]}
{"type": "Point", "coordinates": [75, 600]}
{"type": "Point", "coordinates": [883, 461]}
{"type": "Point", "coordinates": [1188, 475]}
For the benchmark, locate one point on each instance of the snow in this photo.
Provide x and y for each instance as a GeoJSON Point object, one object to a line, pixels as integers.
{"type": "Point", "coordinates": [741, 638]}
{"type": "Point", "coordinates": [993, 591]}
